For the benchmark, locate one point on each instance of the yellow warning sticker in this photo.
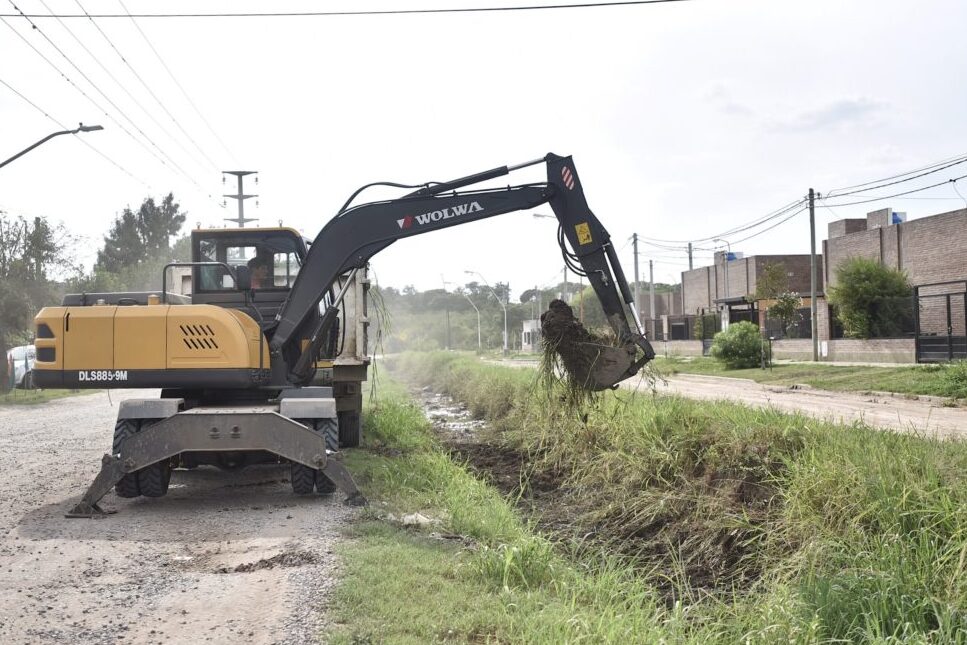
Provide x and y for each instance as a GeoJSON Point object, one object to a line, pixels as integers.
{"type": "Point", "coordinates": [584, 233]}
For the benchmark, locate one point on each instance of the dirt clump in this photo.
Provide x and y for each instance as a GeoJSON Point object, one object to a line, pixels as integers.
{"type": "Point", "coordinates": [568, 357]}
{"type": "Point", "coordinates": [285, 559]}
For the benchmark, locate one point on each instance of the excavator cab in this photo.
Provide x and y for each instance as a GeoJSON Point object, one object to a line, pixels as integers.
{"type": "Point", "coordinates": [270, 259]}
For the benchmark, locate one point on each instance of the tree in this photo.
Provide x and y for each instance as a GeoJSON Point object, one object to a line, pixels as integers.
{"type": "Point", "coordinates": [31, 254]}
{"type": "Point", "coordinates": [772, 281]}
{"type": "Point", "coordinates": [138, 237]}
{"type": "Point", "coordinates": [871, 300]}
{"type": "Point", "coordinates": [785, 309]}
{"type": "Point", "coordinates": [137, 247]}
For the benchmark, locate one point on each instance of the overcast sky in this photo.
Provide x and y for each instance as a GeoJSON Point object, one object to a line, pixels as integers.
{"type": "Point", "coordinates": [684, 119]}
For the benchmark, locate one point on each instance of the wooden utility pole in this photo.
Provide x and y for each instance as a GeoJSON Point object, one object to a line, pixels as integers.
{"type": "Point", "coordinates": [651, 302]}
{"type": "Point", "coordinates": [812, 273]}
{"type": "Point", "coordinates": [634, 245]}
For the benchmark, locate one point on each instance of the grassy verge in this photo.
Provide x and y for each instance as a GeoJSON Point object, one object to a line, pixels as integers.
{"type": "Point", "coordinates": [935, 380]}
{"type": "Point", "coordinates": [749, 524]}
{"type": "Point", "coordinates": [32, 397]}
{"type": "Point", "coordinates": [482, 575]}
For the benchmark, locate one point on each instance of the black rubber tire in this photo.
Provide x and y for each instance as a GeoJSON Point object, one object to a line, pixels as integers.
{"type": "Point", "coordinates": [153, 480]}
{"type": "Point", "coordinates": [128, 486]}
{"type": "Point", "coordinates": [350, 429]}
{"type": "Point", "coordinates": [303, 479]}
{"type": "Point", "coordinates": [324, 485]}
{"type": "Point", "coordinates": [27, 382]}
{"type": "Point", "coordinates": [329, 428]}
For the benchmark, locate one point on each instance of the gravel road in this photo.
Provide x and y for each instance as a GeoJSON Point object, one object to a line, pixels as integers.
{"type": "Point", "coordinates": [226, 557]}
{"type": "Point", "coordinates": [881, 410]}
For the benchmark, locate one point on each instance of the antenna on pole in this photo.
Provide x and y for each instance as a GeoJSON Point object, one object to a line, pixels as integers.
{"type": "Point", "coordinates": [240, 196]}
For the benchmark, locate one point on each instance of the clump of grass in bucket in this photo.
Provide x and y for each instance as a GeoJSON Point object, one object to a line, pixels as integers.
{"type": "Point", "coordinates": [568, 357]}
{"type": "Point", "coordinates": [566, 364]}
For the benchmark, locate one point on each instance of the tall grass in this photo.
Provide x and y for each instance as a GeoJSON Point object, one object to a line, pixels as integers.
{"type": "Point", "coordinates": [777, 527]}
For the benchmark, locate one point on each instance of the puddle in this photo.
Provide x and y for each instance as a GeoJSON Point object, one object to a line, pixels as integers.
{"type": "Point", "coordinates": [450, 417]}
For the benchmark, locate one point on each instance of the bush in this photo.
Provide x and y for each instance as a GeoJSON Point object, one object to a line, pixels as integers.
{"type": "Point", "coordinates": [738, 346]}
{"type": "Point", "coordinates": [871, 300]}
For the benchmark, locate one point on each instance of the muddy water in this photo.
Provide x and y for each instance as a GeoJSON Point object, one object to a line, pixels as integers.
{"type": "Point", "coordinates": [451, 419]}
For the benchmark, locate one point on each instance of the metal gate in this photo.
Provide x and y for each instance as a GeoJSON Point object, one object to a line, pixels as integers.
{"type": "Point", "coordinates": [941, 322]}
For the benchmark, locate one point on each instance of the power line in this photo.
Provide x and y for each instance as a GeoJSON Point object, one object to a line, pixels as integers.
{"type": "Point", "coordinates": [101, 92]}
{"type": "Point", "coordinates": [898, 181]}
{"type": "Point", "coordinates": [145, 85]}
{"type": "Point", "coordinates": [81, 139]}
{"type": "Point", "coordinates": [904, 174]}
{"type": "Point", "coordinates": [907, 192]}
{"type": "Point", "coordinates": [148, 88]}
{"type": "Point", "coordinates": [741, 228]}
{"type": "Point", "coordinates": [386, 12]}
{"type": "Point", "coordinates": [767, 229]}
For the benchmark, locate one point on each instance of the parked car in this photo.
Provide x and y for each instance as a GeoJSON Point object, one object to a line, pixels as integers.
{"type": "Point", "coordinates": [20, 364]}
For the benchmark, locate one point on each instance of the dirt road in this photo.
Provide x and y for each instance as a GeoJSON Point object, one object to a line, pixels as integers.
{"type": "Point", "coordinates": [224, 558]}
{"type": "Point", "coordinates": [883, 411]}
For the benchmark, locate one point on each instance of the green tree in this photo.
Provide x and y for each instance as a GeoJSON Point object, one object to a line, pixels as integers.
{"type": "Point", "coordinates": [32, 254]}
{"type": "Point", "coordinates": [871, 300]}
{"type": "Point", "coordinates": [137, 247]}
{"type": "Point", "coordinates": [772, 281]}
{"type": "Point", "coordinates": [143, 236]}
{"type": "Point", "coordinates": [785, 309]}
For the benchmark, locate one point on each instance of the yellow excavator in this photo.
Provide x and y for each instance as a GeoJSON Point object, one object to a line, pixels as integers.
{"type": "Point", "coordinates": [253, 366]}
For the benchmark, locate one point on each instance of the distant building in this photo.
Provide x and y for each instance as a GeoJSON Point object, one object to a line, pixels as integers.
{"type": "Point", "coordinates": [727, 286]}
{"type": "Point", "coordinates": [530, 337]}
{"type": "Point", "coordinates": [930, 249]}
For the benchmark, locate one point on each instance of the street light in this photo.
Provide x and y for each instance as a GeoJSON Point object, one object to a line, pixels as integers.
{"type": "Point", "coordinates": [80, 128]}
{"type": "Point", "coordinates": [462, 293]}
{"type": "Point", "coordinates": [543, 216]}
{"type": "Point", "coordinates": [499, 301]}
{"type": "Point", "coordinates": [728, 254]}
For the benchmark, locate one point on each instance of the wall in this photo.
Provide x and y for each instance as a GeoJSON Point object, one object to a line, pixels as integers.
{"type": "Point", "coordinates": [930, 249]}
{"type": "Point", "coordinates": [702, 286]}
{"type": "Point", "coordinates": [874, 350]}
{"type": "Point", "coordinates": [677, 347]}
{"type": "Point", "coordinates": [794, 349]}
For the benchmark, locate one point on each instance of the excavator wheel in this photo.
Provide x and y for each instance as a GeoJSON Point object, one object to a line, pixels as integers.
{"type": "Point", "coordinates": [304, 479]}
{"type": "Point", "coordinates": [153, 480]}
{"type": "Point", "coordinates": [128, 486]}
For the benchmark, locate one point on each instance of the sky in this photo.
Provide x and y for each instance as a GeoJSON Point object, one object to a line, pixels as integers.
{"type": "Point", "coordinates": [684, 119]}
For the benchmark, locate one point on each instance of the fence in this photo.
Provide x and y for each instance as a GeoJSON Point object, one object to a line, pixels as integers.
{"type": "Point", "coordinates": [799, 327]}
{"type": "Point", "coordinates": [940, 322]}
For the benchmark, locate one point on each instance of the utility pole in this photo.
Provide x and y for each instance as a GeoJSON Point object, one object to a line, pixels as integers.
{"type": "Point", "coordinates": [812, 273]}
{"type": "Point", "coordinates": [240, 196]}
{"type": "Point", "coordinates": [446, 305]}
{"type": "Point", "coordinates": [634, 244]}
{"type": "Point", "coordinates": [689, 256]}
{"type": "Point", "coordinates": [651, 283]}
{"type": "Point", "coordinates": [565, 298]}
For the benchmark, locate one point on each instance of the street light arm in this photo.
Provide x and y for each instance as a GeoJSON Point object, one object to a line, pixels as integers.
{"type": "Point", "coordinates": [80, 128]}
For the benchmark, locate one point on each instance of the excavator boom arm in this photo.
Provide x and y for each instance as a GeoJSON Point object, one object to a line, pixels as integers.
{"type": "Point", "coordinates": [358, 233]}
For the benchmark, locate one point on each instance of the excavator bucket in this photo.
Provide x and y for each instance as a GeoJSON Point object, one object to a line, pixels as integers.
{"type": "Point", "coordinates": [601, 367]}
{"type": "Point", "coordinates": [591, 362]}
